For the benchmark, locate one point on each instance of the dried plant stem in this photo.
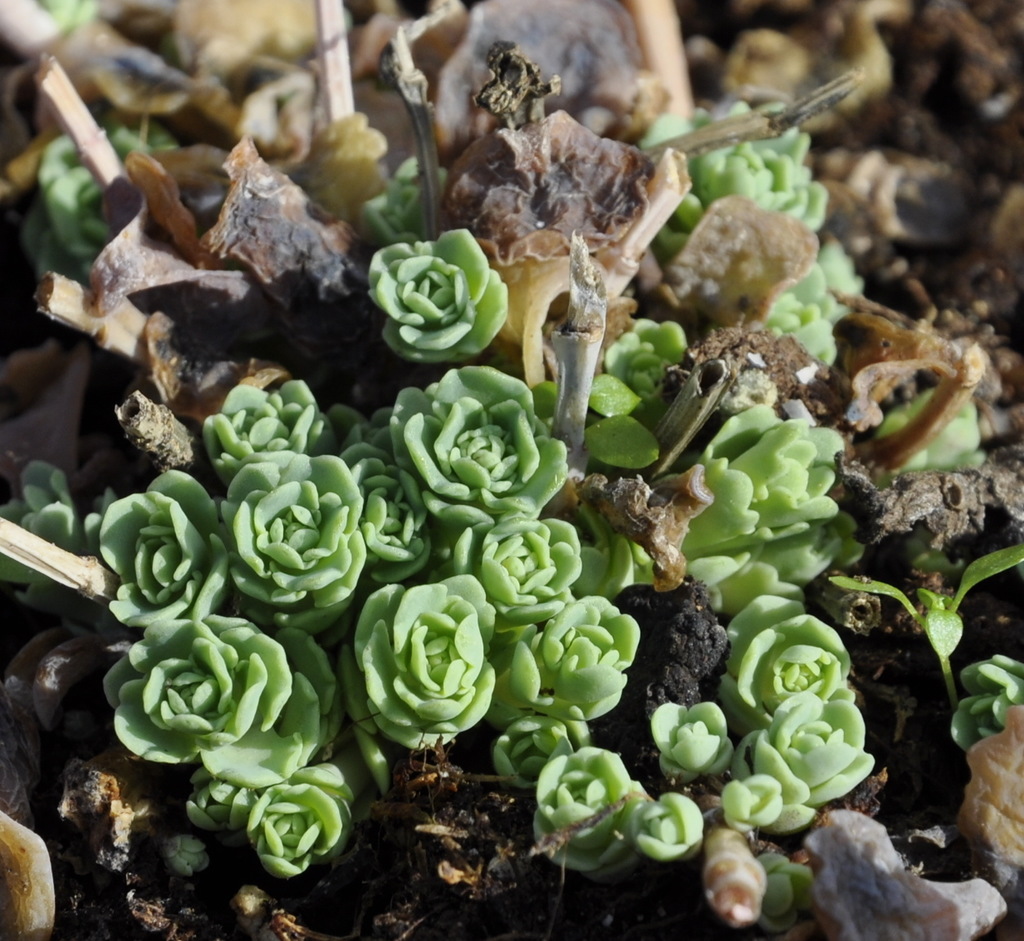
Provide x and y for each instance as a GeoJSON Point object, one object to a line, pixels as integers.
{"type": "Point", "coordinates": [332, 50]}
{"type": "Point", "coordinates": [155, 430]}
{"type": "Point", "coordinates": [577, 345]}
{"type": "Point", "coordinates": [75, 120]}
{"type": "Point", "coordinates": [734, 881]}
{"type": "Point", "coordinates": [26, 27]}
{"type": "Point", "coordinates": [69, 303]}
{"type": "Point", "coordinates": [691, 408]}
{"type": "Point", "coordinates": [83, 573]}
{"type": "Point", "coordinates": [661, 41]}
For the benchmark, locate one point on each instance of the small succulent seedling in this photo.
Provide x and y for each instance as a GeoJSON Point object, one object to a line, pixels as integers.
{"type": "Point", "coordinates": [940, 621]}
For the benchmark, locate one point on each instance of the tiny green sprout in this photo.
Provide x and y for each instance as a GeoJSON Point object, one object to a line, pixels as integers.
{"type": "Point", "coordinates": [940, 622]}
{"type": "Point", "coordinates": [752, 802]}
{"type": "Point", "coordinates": [184, 854]}
{"type": "Point", "coordinates": [788, 892]}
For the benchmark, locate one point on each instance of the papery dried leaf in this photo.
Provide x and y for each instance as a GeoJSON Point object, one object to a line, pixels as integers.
{"type": "Point", "coordinates": [311, 264]}
{"type": "Point", "coordinates": [738, 260]}
{"type": "Point", "coordinates": [596, 56]}
{"type": "Point", "coordinates": [19, 758]}
{"type": "Point", "coordinates": [861, 891]}
{"type": "Point", "coordinates": [990, 818]}
{"type": "Point", "coordinates": [523, 193]}
{"type": "Point", "coordinates": [25, 374]}
{"type": "Point", "coordinates": [278, 115]}
{"type": "Point", "coordinates": [48, 429]}
{"type": "Point", "coordinates": [656, 519]}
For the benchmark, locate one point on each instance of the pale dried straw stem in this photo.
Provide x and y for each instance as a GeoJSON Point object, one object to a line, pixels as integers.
{"type": "Point", "coordinates": [661, 41]}
{"type": "Point", "coordinates": [332, 51]}
{"type": "Point", "coordinates": [26, 28]}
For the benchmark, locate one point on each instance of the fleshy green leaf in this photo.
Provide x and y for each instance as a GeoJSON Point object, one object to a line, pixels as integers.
{"type": "Point", "coordinates": [621, 441]}
{"type": "Point", "coordinates": [611, 396]}
{"type": "Point", "coordinates": [986, 567]}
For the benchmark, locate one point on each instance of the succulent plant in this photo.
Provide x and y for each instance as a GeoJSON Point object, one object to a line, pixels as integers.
{"type": "Point", "coordinates": [251, 707]}
{"type": "Point", "coordinates": [956, 446]}
{"type": "Point", "coordinates": [611, 561]}
{"type": "Point", "coordinates": [527, 566]}
{"type": "Point", "coordinates": [573, 667]}
{"type": "Point", "coordinates": [396, 215]}
{"type": "Point", "coordinates": [640, 355]}
{"type": "Point", "coordinates": [574, 787]}
{"type": "Point", "coordinates": [771, 172]}
{"type": "Point", "coordinates": [770, 479]}
{"type": "Point", "coordinates": [421, 652]}
{"type": "Point", "coordinates": [787, 894]}
{"type": "Point", "coordinates": [444, 302]}
{"type": "Point", "coordinates": [814, 749]}
{"type": "Point", "coordinates": [477, 448]}
{"type": "Point", "coordinates": [220, 807]}
{"type": "Point", "coordinates": [296, 550]}
{"type": "Point", "coordinates": [668, 829]}
{"type": "Point", "coordinates": [302, 821]}
{"type": "Point", "coordinates": [691, 741]}
{"type": "Point", "coordinates": [166, 546]}
{"type": "Point", "coordinates": [530, 742]}
{"type": "Point", "coordinates": [256, 425]}
{"type": "Point", "coordinates": [752, 803]}
{"type": "Point", "coordinates": [777, 650]}
{"type": "Point", "coordinates": [184, 854]}
{"type": "Point", "coordinates": [995, 685]}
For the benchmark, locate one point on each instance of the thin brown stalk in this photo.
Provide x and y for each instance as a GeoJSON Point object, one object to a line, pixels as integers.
{"type": "Point", "coordinates": [335, 69]}
{"type": "Point", "coordinates": [661, 41]}
{"type": "Point", "coordinates": [94, 150]}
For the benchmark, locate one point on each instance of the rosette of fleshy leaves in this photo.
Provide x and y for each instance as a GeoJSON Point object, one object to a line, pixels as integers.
{"type": "Point", "coordinates": [296, 550]}
{"type": "Point", "coordinates": [752, 803]}
{"type": "Point", "coordinates": [301, 822]}
{"type": "Point", "coordinates": [808, 310]}
{"type": "Point", "coordinates": [419, 655]}
{"type": "Point", "coordinates": [572, 668]}
{"type": "Point", "coordinates": [994, 685]}
{"type": "Point", "coordinates": [772, 526]}
{"type": "Point", "coordinates": [691, 741]}
{"type": "Point", "coordinates": [220, 807]}
{"type": "Point", "coordinates": [814, 749]}
{"type": "Point", "coordinates": [574, 787]}
{"type": "Point", "coordinates": [527, 566]}
{"type": "Point", "coordinates": [787, 894]}
{"type": "Point", "coordinates": [477, 448]}
{"type": "Point", "coordinates": [639, 357]}
{"type": "Point", "coordinates": [252, 708]}
{"type": "Point", "coordinates": [443, 300]}
{"type": "Point", "coordinates": [166, 546]}
{"type": "Point", "coordinates": [530, 742]}
{"type": "Point", "coordinates": [666, 830]}
{"type": "Point", "coordinates": [266, 425]}
{"type": "Point", "coordinates": [64, 228]}
{"type": "Point", "coordinates": [778, 650]}
{"type": "Point", "coordinates": [393, 524]}
{"type": "Point", "coordinates": [771, 172]}
{"type": "Point", "coordinates": [611, 561]}
{"type": "Point", "coordinates": [396, 214]}
{"type": "Point", "coordinates": [184, 854]}
{"type": "Point", "coordinates": [47, 510]}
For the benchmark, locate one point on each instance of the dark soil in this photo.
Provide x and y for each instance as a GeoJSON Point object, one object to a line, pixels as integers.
{"type": "Point", "coordinates": [446, 855]}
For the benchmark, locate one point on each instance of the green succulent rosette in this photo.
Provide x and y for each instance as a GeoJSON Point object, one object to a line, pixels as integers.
{"type": "Point", "coordinates": [611, 561]}
{"type": "Point", "coordinates": [257, 425]}
{"type": "Point", "coordinates": [770, 172]}
{"type": "Point", "coordinates": [691, 741]}
{"type": "Point", "coordinates": [304, 821]}
{"type": "Point", "coordinates": [639, 357]}
{"type": "Point", "coordinates": [574, 787]}
{"type": "Point", "coordinates": [529, 743]}
{"type": "Point", "coordinates": [572, 668]}
{"type": "Point", "coordinates": [396, 214]}
{"type": "Point", "coordinates": [394, 520]}
{"type": "Point", "coordinates": [443, 300]}
{"type": "Point", "coordinates": [666, 830]}
{"type": "Point", "coordinates": [771, 480]}
{"type": "Point", "coordinates": [527, 566]}
{"type": "Point", "coordinates": [184, 854]}
{"type": "Point", "coordinates": [421, 654]}
{"type": "Point", "coordinates": [296, 550]}
{"type": "Point", "coordinates": [778, 650]}
{"type": "Point", "coordinates": [47, 510]}
{"type": "Point", "coordinates": [814, 749]}
{"type": "Point", "coordinates": [995, 685]}
{"type": "Point", "coordinates": [787, 894]}
{"type": "Point", "coordinates": [220, 807]}
{"type": "Point", "coordinates": [752, 803]}
{"type": "Point", "coordinates": [252, 708]}
{"type": "Point", "coordinates": [167, 548]}
{"type": "Point", "coordinates": [476, 447]}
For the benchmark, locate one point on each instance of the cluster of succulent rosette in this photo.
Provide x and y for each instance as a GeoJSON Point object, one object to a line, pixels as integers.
{"type": "Point", "coordinates": [356, 586]}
